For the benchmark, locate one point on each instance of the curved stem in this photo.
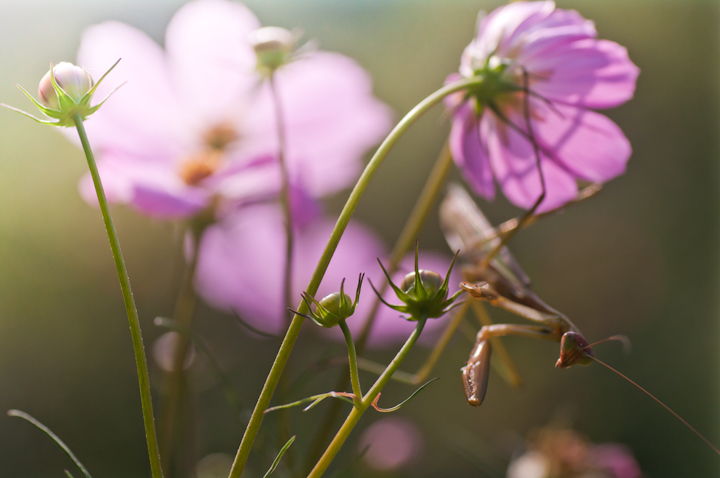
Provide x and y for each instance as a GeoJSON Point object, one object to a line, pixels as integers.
{"type": "Point", "coordinates": [342, 222]}
{"type": "Point", "coordinates": [367, 400]}
{"type": "Point", "coordinates": [175, 385]}
{"type": "Point", "coordinates": [140, 359]}
{"type": "Point", "coordinates": [417, 217]}
{"type": "Point", "coordinates": [352, 358]}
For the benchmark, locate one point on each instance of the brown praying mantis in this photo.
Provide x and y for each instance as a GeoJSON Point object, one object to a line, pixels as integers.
{"type": "Point", "coordinates": [492, 275]}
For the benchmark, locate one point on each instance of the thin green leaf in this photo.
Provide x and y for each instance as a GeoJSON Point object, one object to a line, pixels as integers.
{"type": "Point", "coordinates": [53, 123]}
{"type": "Point", "coordinates": [92, 90]}
{"type": "Point", "coordinates": [397, 407]}
{"type": "Point", "coordinates": [18, 413]}
{"type": "Point", "coordinates": [69, 475]}
{"type": "Point", "coordinates": [315, 399]}
{"type": "Point", "coordinates": [279, 456]}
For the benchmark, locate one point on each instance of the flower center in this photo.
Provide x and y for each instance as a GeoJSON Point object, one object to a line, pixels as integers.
{"type": "Point", "coordinates": [219, 137]}
{"type": "Point", "coordinates": [200, 166]}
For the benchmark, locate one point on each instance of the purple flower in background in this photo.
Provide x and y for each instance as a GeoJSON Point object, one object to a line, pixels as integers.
{"type": "Point", "coordinates": [569, 72]}
{"type": "Point", "coordinates": [390, 444]}
{"type": "Point", "coordinates": [195, 122]}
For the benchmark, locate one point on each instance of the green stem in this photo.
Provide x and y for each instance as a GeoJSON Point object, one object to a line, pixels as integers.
{"type": "Point", "coordinates": [140, 359]}
{"type": "Point", "coordinates": [175, 385]}
{"type": "Point", "coordinates": [410, 231]}
{"type": "Point", "coordinates": [352, 358]}
{"type": "Point", "coordinates": [367, 400]}
{"type": "Point", "coordinates": [342, 222]}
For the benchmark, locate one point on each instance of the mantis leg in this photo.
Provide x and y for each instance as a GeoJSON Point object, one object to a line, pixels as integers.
{"type": "Point", "coordinates": [475, 373]}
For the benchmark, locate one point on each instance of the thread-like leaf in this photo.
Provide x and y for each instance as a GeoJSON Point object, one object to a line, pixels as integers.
{"type": "Point", "coordinates": [279, 456]}
{"type": "Point", "coordinates": [66, 449]}
{"type": "Point", "coordinates": [315, 399]}
{"type": "Point", "coordinates": [397, 407]}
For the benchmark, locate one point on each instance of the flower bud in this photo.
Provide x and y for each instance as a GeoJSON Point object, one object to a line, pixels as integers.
{"type": "Point", "coordinates": [431, 281]}
{"type": "Point", "coordinates": [273, 46]}
{"type": "Point", "coordinates": [334, 308]}
{"type": "Point", "coordinates": [424, 293]}
{"type": "Point", "coordinates": [74, 80]}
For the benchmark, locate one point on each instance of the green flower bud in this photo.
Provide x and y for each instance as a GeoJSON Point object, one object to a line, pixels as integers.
{"type": "Point", "coordinates": [65, 93]}
{"type": "Point", "coordinates": [424, 293]}
{"type": "Point", "coordinates": [332, 309]}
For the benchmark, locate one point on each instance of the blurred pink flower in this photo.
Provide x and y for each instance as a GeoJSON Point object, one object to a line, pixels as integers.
{"type": "Point", "coordinates": [616, 459]}
{"type": "Point", "coordinates": [569, 71]}
{"type": "Point", "coordinates": [393, 443]}
{"type": "Point", "coordinates": [195, 122]}
{"type": "Point", "coordinates": [241, 262]}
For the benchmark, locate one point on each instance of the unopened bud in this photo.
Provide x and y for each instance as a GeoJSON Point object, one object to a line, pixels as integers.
{"type": "Point", "coordinates": [431, 282]}
{"type": "Point", "coordinates": [273, 46]}
{"type": "Point", "coordinates": [74, 80]}
{"type": "Point", "coordinates": [334, 308]}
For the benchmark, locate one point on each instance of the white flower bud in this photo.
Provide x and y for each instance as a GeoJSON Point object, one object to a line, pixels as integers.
{"type": "Point", "coordinates": [74, 80]}
{"type": "Point", "coordinates": [273, 46]}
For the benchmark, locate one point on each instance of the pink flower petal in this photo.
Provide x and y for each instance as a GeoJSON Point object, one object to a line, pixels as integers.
{"type": "Point", "coordinates": [143, 119]}
{"type": "Point", "coordinates": [211, 59]}
{"type": "Point", "coordinates": [587, 144]}
{"type": "Point", "coordinates": [588, 73]}
{"type": "Point", "coordinates": [470, 152]}
{"type": "Point", "coordinates": [331, 116]}
{"type": "Point", "coordinates": [242, 258]}
{"type": "Point", "coordinates": [515, 167]}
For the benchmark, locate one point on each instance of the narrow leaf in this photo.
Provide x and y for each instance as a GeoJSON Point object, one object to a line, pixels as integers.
{"type": "Point", "coordinates": [397, 407]}
{"type": "Point", "coordinates": [279, 456]}
{"type": "Point", "coordinates": [315, 399]}
{"type": "Point", "coordinates": [18, 413]}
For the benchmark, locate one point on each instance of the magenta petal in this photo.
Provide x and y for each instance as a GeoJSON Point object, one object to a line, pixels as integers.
{"type": "Point", "coordinates": [210, 56]}
{"type": "Point", "coordinates": [242, 258]}
{"type": "Point", "coordinates": [169, 204]}
{"type": "Point", "coordinates": [332, 119]}
{"type": "Point", "coordinates": [587, 144]}
{"type": "Point", "coordinates": [515, 167]}
{"type": "Point", "coordinates": [470, 152]}
{"type": "Point", "coordinates": [588, 73]}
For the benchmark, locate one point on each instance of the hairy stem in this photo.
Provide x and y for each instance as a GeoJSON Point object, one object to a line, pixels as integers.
{"type": "Point", "coordinates": [342, 222]}
{"type": "Point", "coordinates": [367, 400]}
{"type": "Point", "coordinates": [140, 359]}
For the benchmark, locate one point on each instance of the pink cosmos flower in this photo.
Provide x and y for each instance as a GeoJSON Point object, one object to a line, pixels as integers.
{"type": "Point", "coordinates": [195, 122]}
{"type": "Point", "coordinates": [241, 262]}
{"type": "Point", "coordinates": [569, 72]}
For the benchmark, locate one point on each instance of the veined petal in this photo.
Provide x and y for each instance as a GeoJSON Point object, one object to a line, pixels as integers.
{"type": "Point", "coordinates": [585, 143]}
{"type": "Point", "coordinates": [587, 73]}
{"type": "Point", "coordinates": [469, 151]}
{"type": "Point", "coordinates": [211, 59]}
{"type": "Point", "coordinates": [515, 167]}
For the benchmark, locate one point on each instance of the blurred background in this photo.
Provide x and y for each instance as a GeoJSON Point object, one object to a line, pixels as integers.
{"type": "Point", "coordinates": [639, 259]}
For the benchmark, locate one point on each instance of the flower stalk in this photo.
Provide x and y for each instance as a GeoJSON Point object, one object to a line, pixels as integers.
{"type": "Point", "coordinates": [133, 319]}
{"type": "Point", "coordinates": [342, 222]}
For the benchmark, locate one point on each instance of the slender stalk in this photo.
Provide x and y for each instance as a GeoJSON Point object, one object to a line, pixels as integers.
{"type": "Point", "coordinates": [285, 201]}
{"type": "Point", "coordinates": [352, 358]}
{"type": "Point", "coordinates": [284, 194]}
{"type": "Point", "coordinates": [342, 222]}
{"type": "Point", "coordinates": [407, 236]}
{"type": "Point", "coordinates": [140, 359]}
{"type": "Point", "coordinates": [176, 384]}
{"type": "Point", "coordinates": [367, 400]}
